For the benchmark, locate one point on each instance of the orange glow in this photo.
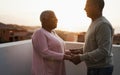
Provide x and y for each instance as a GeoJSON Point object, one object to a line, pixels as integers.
{"type": "Point", "coordinates": [70, 13]}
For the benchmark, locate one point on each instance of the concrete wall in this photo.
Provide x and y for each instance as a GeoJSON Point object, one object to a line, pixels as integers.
{"type": "Point", "coordinates": [16, 58]}
{"type": "Point", "coordinates": [116, 58]}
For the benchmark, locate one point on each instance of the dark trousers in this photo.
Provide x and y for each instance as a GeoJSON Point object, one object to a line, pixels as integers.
{"type": "Point", "coordinates": [100, 71]}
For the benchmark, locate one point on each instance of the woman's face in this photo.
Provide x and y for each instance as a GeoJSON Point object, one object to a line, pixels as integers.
{"type": "Point", "coordinates": [51, 21]}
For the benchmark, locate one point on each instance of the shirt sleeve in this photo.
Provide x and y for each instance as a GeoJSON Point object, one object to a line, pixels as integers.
{"type": "Point", "coordinates": [40, 46]}
{"type": "Point", "coordinates": [103, 39]}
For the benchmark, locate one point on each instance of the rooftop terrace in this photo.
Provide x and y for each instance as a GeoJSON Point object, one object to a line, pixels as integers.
{"type": "Point", "coordinates": [16, 59]}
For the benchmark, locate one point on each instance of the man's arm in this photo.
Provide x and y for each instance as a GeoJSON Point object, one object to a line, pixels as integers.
{"type": "Point", "coordinates": [104, 41]}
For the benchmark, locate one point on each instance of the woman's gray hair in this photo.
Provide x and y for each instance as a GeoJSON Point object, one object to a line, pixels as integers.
{"type": "Point", "coordinates": [46, 15]}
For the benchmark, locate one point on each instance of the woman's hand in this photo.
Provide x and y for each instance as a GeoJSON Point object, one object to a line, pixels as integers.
{"type": "Point", "coordinates": [67, 57]}
{"type": "Point", "coordinates": [76, 51]}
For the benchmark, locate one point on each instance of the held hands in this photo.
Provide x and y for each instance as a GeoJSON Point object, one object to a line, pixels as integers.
{"type": "Point", "coordinates": [73, 55]}
{"type": "Point", "coordinates": [75, 59]}
{"type": "Point", "coordinates": [77, 51]}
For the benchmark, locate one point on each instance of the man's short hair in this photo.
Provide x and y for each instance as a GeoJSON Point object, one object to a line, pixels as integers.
{"type": "Point", "coordinates": [99, 3]}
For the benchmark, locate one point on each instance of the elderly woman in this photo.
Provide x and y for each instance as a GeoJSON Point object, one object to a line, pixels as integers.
{"type": "Point", "coordinates": [48, 48]}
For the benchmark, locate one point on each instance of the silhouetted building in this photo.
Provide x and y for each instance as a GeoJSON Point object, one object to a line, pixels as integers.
{"type": "Point", "coordinates": [81, 37]}
{"type": "Point", "coordinates": [116, 39]}
{"type": "Point", "coordinates": [9, 33]}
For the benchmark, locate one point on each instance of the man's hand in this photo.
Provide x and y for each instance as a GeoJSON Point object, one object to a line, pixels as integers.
{"type": "Point", "coordinates": [73, 56]}
{"type": "Point", "coordinates": [75, 59]}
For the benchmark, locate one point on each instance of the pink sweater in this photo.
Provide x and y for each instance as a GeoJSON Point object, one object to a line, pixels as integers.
{"type": "Point", "coordinates": [48, 52]}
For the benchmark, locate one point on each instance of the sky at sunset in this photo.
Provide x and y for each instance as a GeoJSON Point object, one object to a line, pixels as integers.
{"type": "Point", "coordinates": [70, 13]}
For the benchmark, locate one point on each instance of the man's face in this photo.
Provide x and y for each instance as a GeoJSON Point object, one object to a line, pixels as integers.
{"type": "Point", "coordinates": [90, 9]}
